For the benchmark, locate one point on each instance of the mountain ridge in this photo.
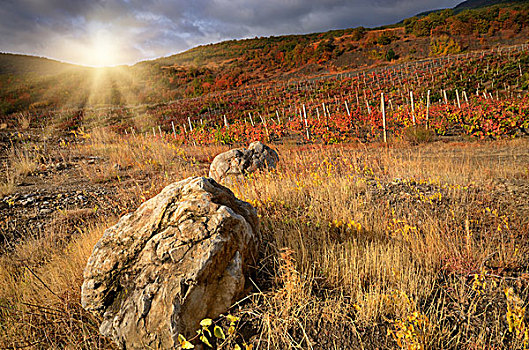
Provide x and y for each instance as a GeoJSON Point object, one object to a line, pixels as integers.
{"type": "Point", "coordinates": [474, 4]}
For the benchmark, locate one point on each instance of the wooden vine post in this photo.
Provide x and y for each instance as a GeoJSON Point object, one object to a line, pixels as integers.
{"type": "Point", "coordinates": [412, 108]}
{"type": "Point", "coordinates": [306, 125]}
{"type": "Point", "coordinates": [263, 121]}
{"type": "Point", "coordinates": [428, 109]}
{"type": "Point", "coordinates": [383, 108]}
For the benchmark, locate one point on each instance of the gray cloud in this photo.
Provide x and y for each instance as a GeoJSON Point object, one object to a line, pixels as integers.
{"type": "Point", "coordinates": [81, 31]}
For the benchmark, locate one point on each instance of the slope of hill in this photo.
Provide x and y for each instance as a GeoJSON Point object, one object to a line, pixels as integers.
{"type": "Point", "coordinates": [41, 83]}
{"type": "Point", "coordinates": [474, 4]}
{"type": "Point", "coordinates": [23, 64]}
{"type": "Point", "coordinates": [231, 64]}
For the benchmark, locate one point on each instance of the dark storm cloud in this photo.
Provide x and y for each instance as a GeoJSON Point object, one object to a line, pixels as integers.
{"type": "Point", "coordinates": [138, 29]}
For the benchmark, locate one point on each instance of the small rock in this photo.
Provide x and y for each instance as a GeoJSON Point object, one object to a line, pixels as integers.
{"type": "Point", "coordinates": [27, 202]}
{"type": "Point", "coordinates": [237, 162]}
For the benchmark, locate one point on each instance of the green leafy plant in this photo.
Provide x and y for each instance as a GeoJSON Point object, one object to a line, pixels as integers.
{"type": "Point", "coordinates": [391, 55]}
{"type": "Point", "coordinates": [410, 332]}
{"type": "Point", "coordinates": [516, 317]}
{"type": "Point", "coordinates": [206, 335]}
{"type": "Point", "coordinates": [184, 343]}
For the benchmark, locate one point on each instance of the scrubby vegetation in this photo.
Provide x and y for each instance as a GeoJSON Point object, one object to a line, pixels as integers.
{"type": "Point", "coordinates": [379, 247]}
{"type": "Point", "coordinates": [397, 216]}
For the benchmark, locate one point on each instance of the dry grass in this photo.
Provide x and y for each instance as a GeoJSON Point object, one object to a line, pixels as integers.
{"type": "Point", "coordinates": [359, 245]}
{"type": "Point", "coordinates": [384, 264]}
{"type": "Point", "coordinates": [415, 135]}
{"type": "Point", "coordinates": [24, 121]}
{"type": "Point", "coordinates": [40, 298]}
{"type": "Point", "coordinates": [21, 163]}
{"type": "Point", "coordinates": [8, 185]}
{"type": "Point", "coordinates": [135, 154]}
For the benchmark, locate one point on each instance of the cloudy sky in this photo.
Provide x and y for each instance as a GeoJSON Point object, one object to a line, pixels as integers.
{"type": "Point", "coordinates": [107, 32]}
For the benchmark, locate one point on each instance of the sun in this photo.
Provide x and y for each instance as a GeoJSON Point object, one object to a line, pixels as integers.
{"type": "Point", "coordinates": [102, 51]}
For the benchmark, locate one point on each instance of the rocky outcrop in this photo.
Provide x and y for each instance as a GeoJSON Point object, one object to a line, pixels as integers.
{"type": "Point", "coordinates": [180, 258]}
{"type": "Point", "coordinates": [237, 162]}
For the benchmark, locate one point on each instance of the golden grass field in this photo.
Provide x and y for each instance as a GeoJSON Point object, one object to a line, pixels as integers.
{"type": "Point", "coordinates": [363, 246]}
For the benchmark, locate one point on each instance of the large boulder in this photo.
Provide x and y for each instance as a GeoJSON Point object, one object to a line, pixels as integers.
{"type": "Point", "coordinates": [238, 162]}
{"type": "Point", "coordinates": [180, 258]}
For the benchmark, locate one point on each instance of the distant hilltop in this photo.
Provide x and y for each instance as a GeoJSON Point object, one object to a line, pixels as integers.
{"type": "Point", "coordinates": [472, 4]}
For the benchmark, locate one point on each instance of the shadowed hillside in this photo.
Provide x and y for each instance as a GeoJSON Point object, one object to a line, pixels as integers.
{"type": "Point", "coordinates": [474, 4]}
{"type": "Point", "coordinates": [23, 64]}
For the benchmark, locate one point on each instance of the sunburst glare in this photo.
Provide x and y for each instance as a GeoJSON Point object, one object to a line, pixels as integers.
{"type": "Point", "coordinates": [101, 51]}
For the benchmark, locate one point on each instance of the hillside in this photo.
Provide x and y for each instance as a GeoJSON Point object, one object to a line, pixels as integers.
{"type": "Point", "coordinates": [474, 4]}
{"type": "Point", "coordinates": [354, 47]}
{"type": "Point", "coordinates": [471, 4]}
{"type": "Point", "coordinates": [38, 83]}
{"type": "Point", "coordinates": [23, 64]}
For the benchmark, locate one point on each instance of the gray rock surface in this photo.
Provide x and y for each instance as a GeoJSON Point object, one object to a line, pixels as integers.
{"type": "Point", "coordinates": [237, 162]}
{"type": "Point", "coordinates": [180, 258]}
